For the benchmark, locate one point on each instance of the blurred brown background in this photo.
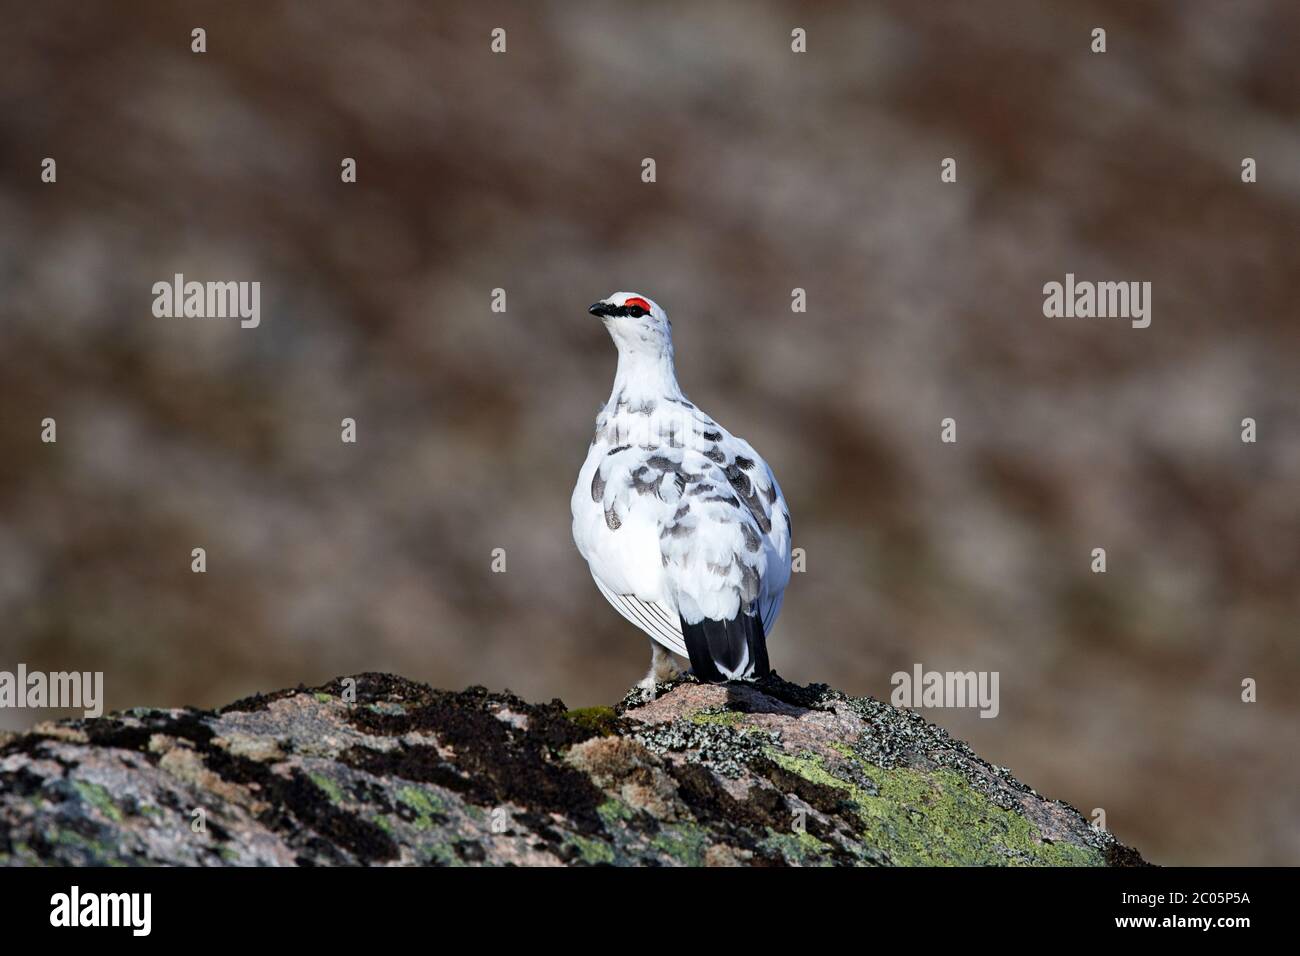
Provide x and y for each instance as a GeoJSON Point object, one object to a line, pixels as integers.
{"type": "Point", "coordinates": [775, 171]}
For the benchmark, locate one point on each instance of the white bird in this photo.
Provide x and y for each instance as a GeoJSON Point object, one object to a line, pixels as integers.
{"type": "Point", "coordinates": [683, 525]}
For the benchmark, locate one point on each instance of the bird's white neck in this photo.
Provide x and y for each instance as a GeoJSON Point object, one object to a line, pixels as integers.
{"type": "Point", "coordinates": [644, 375]}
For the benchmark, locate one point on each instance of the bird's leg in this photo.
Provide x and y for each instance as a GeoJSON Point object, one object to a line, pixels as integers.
{"type": "Point", "coordinates": [662, 668]}
{"type": "Point", "coordinates": [662, 665]}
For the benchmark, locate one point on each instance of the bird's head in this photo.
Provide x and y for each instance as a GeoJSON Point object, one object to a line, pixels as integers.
{"type": "Point", "coordinates": [636, 324]}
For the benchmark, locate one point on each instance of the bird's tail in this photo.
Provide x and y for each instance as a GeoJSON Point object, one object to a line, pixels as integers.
{"type": "Point", "coordinates": [727, 650]}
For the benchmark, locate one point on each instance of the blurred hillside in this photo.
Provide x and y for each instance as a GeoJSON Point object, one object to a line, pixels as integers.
{"type": "Point", "coordinates": [775, 171]}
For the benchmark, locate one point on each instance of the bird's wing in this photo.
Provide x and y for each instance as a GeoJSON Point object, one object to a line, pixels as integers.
{"type": "Point", "coordinates": [661, 623]}
{"type": "Point", "coordinates": [681, 523]}
{"type": "Point", "coordinates": [722, 526]}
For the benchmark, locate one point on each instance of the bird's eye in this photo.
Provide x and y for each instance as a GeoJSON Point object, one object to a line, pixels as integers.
{"type": "Point", "coordinates": [638, 303]}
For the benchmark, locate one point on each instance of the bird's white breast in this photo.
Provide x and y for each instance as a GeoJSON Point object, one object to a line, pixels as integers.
{"type": "Point", "coordinates": [671, 509]}
{"type": "Point", "coordinates": [625, 560]}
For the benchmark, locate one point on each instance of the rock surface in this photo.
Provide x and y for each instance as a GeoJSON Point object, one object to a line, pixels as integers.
{"type": "Point", "coordinates": [380, 770]}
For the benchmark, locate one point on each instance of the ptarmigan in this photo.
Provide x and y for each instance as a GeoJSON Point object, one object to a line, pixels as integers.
{"type": "Point", "coordinates": [683, 525]}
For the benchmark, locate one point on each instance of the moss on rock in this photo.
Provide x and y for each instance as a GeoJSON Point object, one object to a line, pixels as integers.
{"type": "Point", "coordinates": [767, 773]}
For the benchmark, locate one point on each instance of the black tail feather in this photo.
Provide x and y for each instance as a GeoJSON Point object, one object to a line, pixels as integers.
{"type": "Point", "coordinates": [715, 645]}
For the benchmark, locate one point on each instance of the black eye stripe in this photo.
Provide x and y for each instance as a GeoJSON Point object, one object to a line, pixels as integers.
{"type": "Point", "coordinates": [633, 311]}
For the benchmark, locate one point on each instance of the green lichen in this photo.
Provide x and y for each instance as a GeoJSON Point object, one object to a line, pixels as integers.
{"type": "Point", "coordinates": [803, 848]}
{"type": "Point", "coordinates": [811, 768]}
{"type": "Point", "coordinates": [591, 852]}
{"type": "Point", "coordinates": [614, 813]}
{"type": "Point", "coordinates": [323, 698]}
{"type": "Point", "coordinates": [937, 818]}
{"type": "Point", "coordinates": [599, 720]}
{"type": "Point", "coordinates": [424, 803]}
{"type": "Point", "coordinates": [99, 798]}
{"type": "Point", "coordinates": [330, 788]}
{"type": "Point", "coordinates": [683, 842]}
{"type": "Point", "coordinates": [442, 854]}
{"type": "Point", "coordinates": [717, 716]}
{"type": "Point", "coordinates": [102, 852]}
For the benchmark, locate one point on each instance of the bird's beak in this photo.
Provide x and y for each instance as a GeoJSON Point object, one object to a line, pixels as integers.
{"type": "Point", "coordinates": [601, 309]}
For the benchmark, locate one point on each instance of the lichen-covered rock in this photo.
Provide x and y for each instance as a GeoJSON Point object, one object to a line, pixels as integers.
{"type": "Point", "coordinates": [380, 770]}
